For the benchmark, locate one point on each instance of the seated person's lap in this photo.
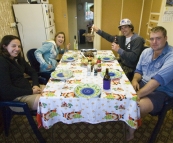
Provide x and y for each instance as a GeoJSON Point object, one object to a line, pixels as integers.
{"type": "Point", "coordinates": [157, 98]}
{"type": "Point", "coordinates": [31, 100]}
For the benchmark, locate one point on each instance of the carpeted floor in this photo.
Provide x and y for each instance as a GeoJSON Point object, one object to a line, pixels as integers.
{"type": "Point", "coordinates": [110, 132]}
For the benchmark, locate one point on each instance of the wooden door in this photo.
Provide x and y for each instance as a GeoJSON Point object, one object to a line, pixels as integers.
{"type": "Point", "coordinates": [72, 20]}
{"type": "Point", "coordinates": [153, 18]}
{"type": "Point", "coordinates": [145, 18]}
{"type": "Point", "coordinates": [156, 6]}
{"type": "Point", "coordinates": [132, 10]}
{"type": "Point", "coordinates": [61, 16]}
{"type": "Point", "coordinates": [111, 15]}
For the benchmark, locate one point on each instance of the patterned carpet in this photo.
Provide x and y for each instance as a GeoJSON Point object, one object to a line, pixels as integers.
{"type": "Point", "coordinates": [110, 132]}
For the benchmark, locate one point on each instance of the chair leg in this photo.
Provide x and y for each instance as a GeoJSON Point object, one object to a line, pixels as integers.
{"type": "Point", "coordinates": [7, 116]}
{"type": "Point", "coordinates": [35, 129]}
{"type": "Point", "coordinates": [157, 127]}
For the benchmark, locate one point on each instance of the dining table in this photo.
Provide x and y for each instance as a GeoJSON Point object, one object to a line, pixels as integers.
{"type": "Point", "coordinates": [81, 98]}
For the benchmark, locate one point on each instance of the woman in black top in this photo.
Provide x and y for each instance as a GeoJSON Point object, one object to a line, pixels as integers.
{"type": "Point", "coordinates": [13, 84]}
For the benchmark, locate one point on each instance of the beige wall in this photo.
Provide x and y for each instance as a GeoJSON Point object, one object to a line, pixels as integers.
{"type": "Point", "coordinates": [110, 20]}
{"type": "Point", "coordinates": [6, 17]}
{"type": "Point", "coordinates": [61, 16]}
{"type": "Point", "coordinates": [167, 25]}
{"type": "Point", "coordinates": [145, 18]}
{"type": "Point", "coordinates": [72, 21]}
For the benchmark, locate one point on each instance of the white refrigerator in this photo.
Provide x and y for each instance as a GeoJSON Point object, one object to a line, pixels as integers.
{"type": "Point", "coordinates": [35, 23]}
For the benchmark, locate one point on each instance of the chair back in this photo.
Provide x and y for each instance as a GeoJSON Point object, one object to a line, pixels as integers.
{"type": "Point", "coordinates": [32, 60]}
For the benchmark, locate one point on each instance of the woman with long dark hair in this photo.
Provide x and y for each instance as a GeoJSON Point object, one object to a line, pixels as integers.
{"type": "Point", "coordinates": [14, 86]}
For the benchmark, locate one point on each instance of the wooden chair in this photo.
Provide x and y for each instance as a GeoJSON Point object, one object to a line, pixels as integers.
{"type": "Point", "coordinates": [161, 116]}
{"type": "Point", "coordinates": [8, 114]}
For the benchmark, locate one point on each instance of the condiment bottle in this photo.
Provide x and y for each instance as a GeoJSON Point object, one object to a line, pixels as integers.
{"type": "Point", "coordinates": [99, 68]}
{"type": "Point", "coordinates": [75, 43]}
{"type": "Point", "coordinates": [89, 69]}
{"type": "Point", "coordinates": [106, 80]}
{"type": "Point", "coordinates": [95, 70]}
{"type": "Point", "coordinates": [116, 40]}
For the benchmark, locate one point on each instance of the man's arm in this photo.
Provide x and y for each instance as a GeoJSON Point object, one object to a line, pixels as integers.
{"type": "Point", "coordinates": [148, 88]}
{"type": "Point", "coordinates": [135, 82]}
{"type": "Point", "coordinates": [106, 36]}
{"type": "Point", "coordinates": [103, 34]}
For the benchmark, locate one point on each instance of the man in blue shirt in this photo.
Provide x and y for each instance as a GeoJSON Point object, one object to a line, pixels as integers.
{"type": "Point", "coordinates": [153, 78]}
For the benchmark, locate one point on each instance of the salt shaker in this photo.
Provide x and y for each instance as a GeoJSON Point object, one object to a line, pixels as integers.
{"type": "Point", "coordinates": [89, 69]}
{"type": "Point", "coordinates": [95, 70]}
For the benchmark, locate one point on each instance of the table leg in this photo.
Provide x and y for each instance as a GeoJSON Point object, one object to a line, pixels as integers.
{"type": "Point", "coordinates": [124, 130]}
{"type": "Point", "coordinates": [52, 131]}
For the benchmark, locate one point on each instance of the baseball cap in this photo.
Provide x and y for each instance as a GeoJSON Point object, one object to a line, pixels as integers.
{"type": "Point", "coordinates": [125, 22]}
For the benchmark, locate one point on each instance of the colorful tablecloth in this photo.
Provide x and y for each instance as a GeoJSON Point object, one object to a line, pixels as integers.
{"type": "Point", "coordinates": [58, 102]}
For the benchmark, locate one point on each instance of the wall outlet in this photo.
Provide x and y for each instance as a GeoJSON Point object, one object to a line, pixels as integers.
{"type": "Point", "coordinates": [13, 25]}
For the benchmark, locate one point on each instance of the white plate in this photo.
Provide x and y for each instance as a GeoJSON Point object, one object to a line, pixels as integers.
{"type": "Point", "coordinates": [87, 90]}
{"type": "Point", "coordinates": [61, 74]}
{"type": "Point", "coordinates": [107, 58]}
{"type": "Point", "coordinates": [68, 58]}
{"type": "Point", "coordinates": [113, 73]}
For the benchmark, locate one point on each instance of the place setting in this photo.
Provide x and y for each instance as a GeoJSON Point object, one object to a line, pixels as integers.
{"type": "Point", "coordinates": [68, 58]}
{"type": "Point", "coordinates": [87, 90]}
{"type": "Point", "coordinates": [107, 58]}
{"type": "Point", "coordinates": [114, 73]}
{"type": "Point", "coordinates": [61, 74]}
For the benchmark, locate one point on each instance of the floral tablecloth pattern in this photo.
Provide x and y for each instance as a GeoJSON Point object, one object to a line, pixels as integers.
{"type": "Point", "coordinates": [58, 102]}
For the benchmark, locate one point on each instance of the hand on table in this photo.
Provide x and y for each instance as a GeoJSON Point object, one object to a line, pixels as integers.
{"type": "Point", "coordinates": [49, 67]}
{"type": "Point", "coordinates": [135, 85]}
{"type": "Point", "coordinates": [36, 90]}
{"type": "Point", "coordinates": [68, 46]}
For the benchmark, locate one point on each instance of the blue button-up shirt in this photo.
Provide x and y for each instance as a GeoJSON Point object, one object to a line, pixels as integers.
{"type": "Point", "coordinates": [160, 69]}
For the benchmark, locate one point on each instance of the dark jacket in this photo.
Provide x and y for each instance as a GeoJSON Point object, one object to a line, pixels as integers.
{"type": "Point", "coordinates": [129, 54]}
{"type": "Point", "coordinates": [13, 84]}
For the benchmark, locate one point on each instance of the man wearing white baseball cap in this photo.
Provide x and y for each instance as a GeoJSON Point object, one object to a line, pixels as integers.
{"type": "Point", "coordinates": [129, 45]}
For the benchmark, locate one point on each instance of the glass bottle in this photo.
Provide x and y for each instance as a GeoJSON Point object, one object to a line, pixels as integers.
{"type": "Point", "coordinates": [75, 43]}
{"type": "Point", "coordinates": [95, 70]}
{"type": "Point", "coordinates": [89, 69]}
{"type": "Point", "coordinates": [99, 68]}
{"type": "Point", "coordinates": [116, 39]}
{"type": "Point", "coordinates": [107, 80]}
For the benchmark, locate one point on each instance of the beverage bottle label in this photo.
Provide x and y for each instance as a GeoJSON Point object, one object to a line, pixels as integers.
{"type": "Point", "coordinates": [106, 84]}
{"type": "Point", "coordinates": [95, 70]}
{"type": "Point", "coordinates": [99, 65]}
